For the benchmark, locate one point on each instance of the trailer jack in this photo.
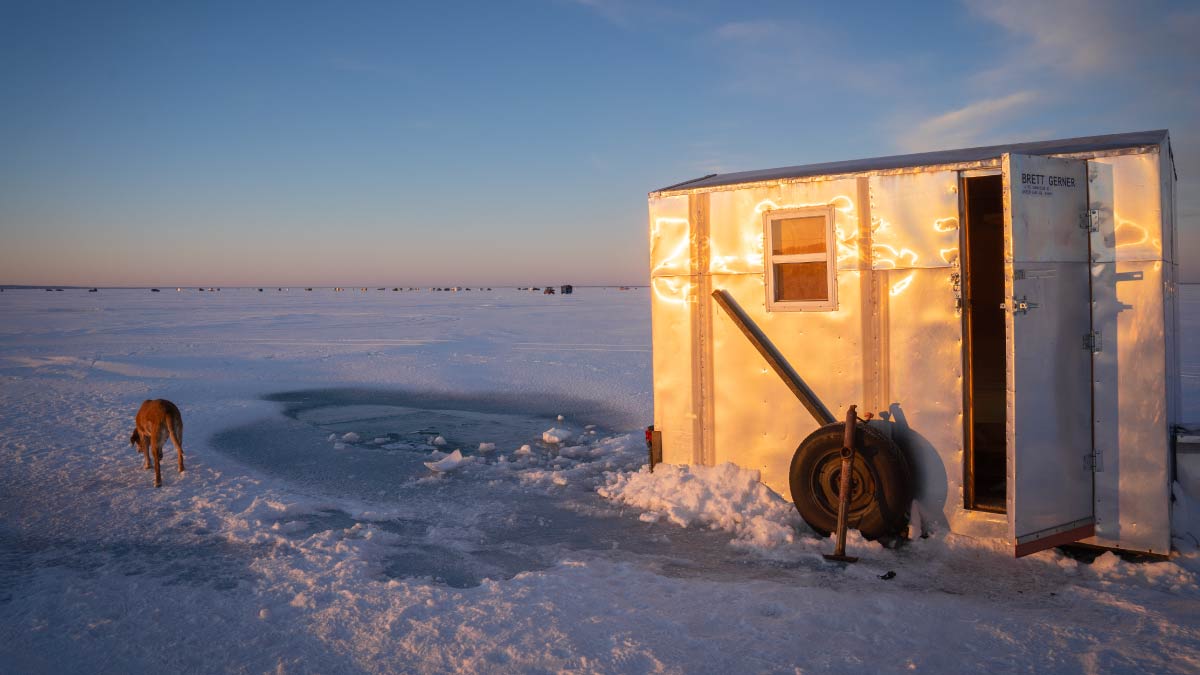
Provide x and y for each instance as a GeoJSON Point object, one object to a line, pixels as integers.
{"type": "Point", "coordinates": [848, 449]}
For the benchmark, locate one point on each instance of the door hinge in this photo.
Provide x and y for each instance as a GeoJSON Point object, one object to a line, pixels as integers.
{"type": "Point", "coordinates": [1093, 342]}
{"type": "Point", "coordinates": [1094, 461]}
{"type": "Point", "coordinates": [1090, 220]}
{"type": "Point", "coordinates": [956, 285]}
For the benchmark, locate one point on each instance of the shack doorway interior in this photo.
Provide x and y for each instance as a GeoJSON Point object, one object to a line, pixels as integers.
{"type": "Point", "coordinates": [984, 355]}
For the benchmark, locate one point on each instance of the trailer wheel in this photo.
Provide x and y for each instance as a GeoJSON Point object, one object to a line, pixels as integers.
{"type": "Point", "coordinates": [881, 486]}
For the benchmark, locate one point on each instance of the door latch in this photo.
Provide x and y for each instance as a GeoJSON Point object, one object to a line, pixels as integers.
{"type": "Point", "coordinates": [1090, 220]}
{"type": "Point", "coordinates": [1020, 305]}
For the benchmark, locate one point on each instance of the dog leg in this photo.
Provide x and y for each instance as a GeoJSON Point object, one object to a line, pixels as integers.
{"type": "Point", "coordinates": [144, 448]}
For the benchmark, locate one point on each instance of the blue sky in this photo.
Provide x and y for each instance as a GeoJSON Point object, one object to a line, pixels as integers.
{"type": "Point", "coordinates": [513, 142]}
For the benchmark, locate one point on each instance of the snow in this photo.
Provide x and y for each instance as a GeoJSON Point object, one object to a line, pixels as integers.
{"type": "Point", "coordinates": [723, 497]}
{"type": "Point", "coordinates": [276, 554]}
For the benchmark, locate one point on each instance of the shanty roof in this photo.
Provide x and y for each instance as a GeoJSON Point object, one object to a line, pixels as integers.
{"type": "Point", "coordinates": [965, 155]}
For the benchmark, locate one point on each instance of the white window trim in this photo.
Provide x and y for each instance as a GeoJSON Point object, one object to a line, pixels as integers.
{"type": "Point", "coordinates": [829, 257]}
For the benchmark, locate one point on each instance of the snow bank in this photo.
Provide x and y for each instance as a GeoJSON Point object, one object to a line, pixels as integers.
{"type": "Point", "coordinates": [723, 497]}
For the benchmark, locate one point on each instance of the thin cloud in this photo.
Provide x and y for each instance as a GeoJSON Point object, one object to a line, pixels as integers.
{"type": "Point", "coordinates": [1073, 37]}
{"type": "Point", "coordinates": [973, 124]}
{"type": "Point", "coordinates": [1079, 39]}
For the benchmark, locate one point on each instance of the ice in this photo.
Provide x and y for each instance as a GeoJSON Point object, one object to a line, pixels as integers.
{"type": "Point", "coordinates": [350, 437]}
{"type": "Point", "coordinates": [556, 435]}
{"type": "Point", "coordinates": [450, 462]}
{"type": "Point", "coordinates": [487, 447]}
{"type": "Point", "coordinates": [280, 555]}
{"type": "Point", "coordinates": [438, 440]}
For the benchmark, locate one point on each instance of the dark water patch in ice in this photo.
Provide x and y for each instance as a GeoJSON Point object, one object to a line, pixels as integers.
{"type": "Point", "coordinates": [544, 406]}
{"type": "Point", "coordinates": [483, 521]}
{"type": "Point", "coordinates": [370, 445]}
{"type": "Point", "coordinates": [407, 428]}
{"type": "Point", "coordinates": [300, 453]}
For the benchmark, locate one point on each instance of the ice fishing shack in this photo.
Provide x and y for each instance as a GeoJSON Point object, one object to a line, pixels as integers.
{"type": "Point", "coordinates": [1007, 314]}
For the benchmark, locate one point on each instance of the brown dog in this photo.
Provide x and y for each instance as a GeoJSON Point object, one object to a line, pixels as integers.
{"type": "Point", "coordinates": [155, 421]}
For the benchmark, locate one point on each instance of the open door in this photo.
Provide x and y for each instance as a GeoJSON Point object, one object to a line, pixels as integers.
{"type": "Point", "coordinates": [1048, 332]}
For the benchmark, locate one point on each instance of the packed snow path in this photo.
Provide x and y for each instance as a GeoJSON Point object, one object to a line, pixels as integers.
{"type": "Point", "coordinates": [308, 536]}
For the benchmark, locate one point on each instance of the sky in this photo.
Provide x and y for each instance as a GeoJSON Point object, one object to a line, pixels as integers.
{"type": "Point", "coordinates": [509, 143]}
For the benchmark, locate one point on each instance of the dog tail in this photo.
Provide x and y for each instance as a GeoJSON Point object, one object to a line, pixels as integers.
{"type": "Point", "coordinates": [133, 440]}
{"type": "Point", "coordinates": [175, 430]}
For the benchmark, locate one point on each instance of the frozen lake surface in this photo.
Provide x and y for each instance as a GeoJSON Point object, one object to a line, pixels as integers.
{"type": "Point", "coordinates": [308, 534]}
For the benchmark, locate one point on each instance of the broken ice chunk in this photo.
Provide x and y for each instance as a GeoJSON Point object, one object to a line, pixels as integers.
{"type": "Point", "coordinates": [555, 435]}
{"type": "Point", "coordinates": [448, 463]}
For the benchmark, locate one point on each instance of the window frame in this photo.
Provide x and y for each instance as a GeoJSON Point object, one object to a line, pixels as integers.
{"type": "Point", "coordinates": [829, 257]}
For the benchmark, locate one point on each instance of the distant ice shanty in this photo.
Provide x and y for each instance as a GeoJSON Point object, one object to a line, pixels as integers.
{"type": "Point", "coordinates": [1007, 313]}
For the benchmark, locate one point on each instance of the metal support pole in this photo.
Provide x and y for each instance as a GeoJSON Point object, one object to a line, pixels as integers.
{"type": "Point", "coordinates": [774, 359]}
{"type": "Point", "coordinates": [844, 488]}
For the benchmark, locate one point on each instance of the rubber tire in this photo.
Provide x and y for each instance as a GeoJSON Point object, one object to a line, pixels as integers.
{"type": "Point", "coordinates": [879, 510]}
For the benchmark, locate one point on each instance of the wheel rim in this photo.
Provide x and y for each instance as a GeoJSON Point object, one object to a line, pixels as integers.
{"type": "Point", "coordinates": [826, 484]}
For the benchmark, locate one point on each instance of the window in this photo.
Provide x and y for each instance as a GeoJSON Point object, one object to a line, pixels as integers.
{"type": "Point", "coordinates": [800, 260]}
